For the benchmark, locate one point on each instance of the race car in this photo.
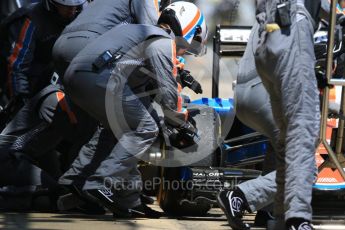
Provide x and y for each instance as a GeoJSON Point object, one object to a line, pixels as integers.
{"type": "Point", "coordinates": [187, 180]}
{"type": "Point", "coordinates": [240, 152]}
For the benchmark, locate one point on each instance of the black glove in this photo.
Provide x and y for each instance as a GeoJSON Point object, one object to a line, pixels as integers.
{"type": "Point", "coordinates": [189, 132]}
{"type": "Point", "coordinates": [187, 80]}
{"type": "Point", "coordinates": [180, 137]}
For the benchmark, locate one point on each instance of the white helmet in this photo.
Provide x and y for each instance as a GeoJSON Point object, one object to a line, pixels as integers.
{"type": "Point", "coordinates": [70, 2]}
{"type": "Point", "coordinates": [187, 21]}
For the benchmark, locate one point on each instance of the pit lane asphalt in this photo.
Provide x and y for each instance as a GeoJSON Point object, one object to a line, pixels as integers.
{"type": "Point", "coordinates": [73, 221]}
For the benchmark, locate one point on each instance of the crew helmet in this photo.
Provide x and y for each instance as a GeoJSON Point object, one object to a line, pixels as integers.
{"type": "Point", "coordinates": [187, 21]}
{"type": "Point", "coordinates": [49, 3]}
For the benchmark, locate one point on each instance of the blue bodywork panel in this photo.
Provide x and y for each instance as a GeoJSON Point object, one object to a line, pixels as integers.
{"type": "Point", "coordinates": [225, 108]}
{"type": "Point", "coordinates": [222, 106]}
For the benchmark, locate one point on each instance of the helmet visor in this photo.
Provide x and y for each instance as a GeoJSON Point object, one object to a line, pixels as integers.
{"type": "Point", "coordinates": [198, 47]}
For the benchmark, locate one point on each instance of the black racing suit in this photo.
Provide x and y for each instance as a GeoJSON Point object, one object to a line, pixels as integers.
{"type": "Point", "coordinates": [32, 31]}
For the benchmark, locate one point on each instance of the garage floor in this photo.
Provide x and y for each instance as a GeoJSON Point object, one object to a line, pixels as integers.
{"type": "Point", "coordinates": [69, 221]}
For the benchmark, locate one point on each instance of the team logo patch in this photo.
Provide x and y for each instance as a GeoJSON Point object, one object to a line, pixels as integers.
{"type": "Point", "coordinates": [236, 204]}
{"type": "Point", "coordinates": [304, 226]}
{"type": "Point", "coordinates": [106, 192]}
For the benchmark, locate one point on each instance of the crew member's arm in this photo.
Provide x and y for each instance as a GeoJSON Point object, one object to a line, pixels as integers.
{"type": "Point", "coordinates": [161, 54]}
{"type": "Point", "coordinates": [145, 11]}
{"type": "Point", "coordinates": [21, 35]}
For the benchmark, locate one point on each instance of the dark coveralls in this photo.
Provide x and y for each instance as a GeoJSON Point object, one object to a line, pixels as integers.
{"type": "Point", "coordinates": [33, 31]}
{"type": "Point", "coordinates": [117, 98]}
{"type": "Point", "coordinates": [7, 7]}
{"type": "Point", "coordinates": [28, 142]}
